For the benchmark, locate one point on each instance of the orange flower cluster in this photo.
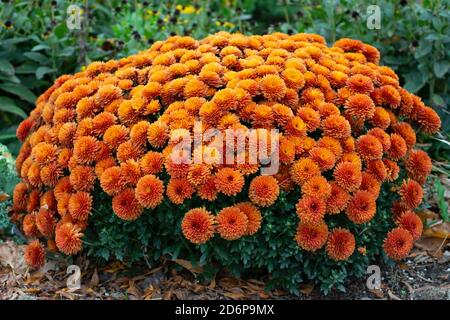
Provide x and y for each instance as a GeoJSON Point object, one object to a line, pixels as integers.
{"type": "Point", "coordinates": [345, 126]}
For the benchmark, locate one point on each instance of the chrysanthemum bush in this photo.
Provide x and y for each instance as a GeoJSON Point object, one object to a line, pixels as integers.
{"type": "Point", "coordinates": [98, 173]}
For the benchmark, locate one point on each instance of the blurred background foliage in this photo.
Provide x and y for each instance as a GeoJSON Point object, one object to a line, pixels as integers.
{"type": "Point", "coordinates": [36, 45]}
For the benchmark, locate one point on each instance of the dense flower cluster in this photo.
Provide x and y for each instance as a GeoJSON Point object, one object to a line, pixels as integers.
{"type": "Point", "coordinates": [345, 127]}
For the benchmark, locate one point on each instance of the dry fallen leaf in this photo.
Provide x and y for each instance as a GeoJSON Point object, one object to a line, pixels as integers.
{"type": "Point", "coordinates": [94, 279]}
{"type": "Point", "coordinates": [431, 245]}
{"type": "Point", "coordinates": [307, 288]}
{"type": "Point", "coordinates": [188, 265]}
{"type": "Point", "coordinates": [378, 293]}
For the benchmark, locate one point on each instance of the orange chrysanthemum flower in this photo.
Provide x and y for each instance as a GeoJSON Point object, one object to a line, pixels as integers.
{"type": "Point", "coordinates": [19, 196]}
{"type": "Point", "coordinates": [362, 207]}
{"type": "Point", "coordinates": [44, 153]}
{"type": "Point", "coordinates": [263, 190]}
{"type": "Point", "coordinates": [273, 87]}
{"type": "Point", "coordinates": [207, 190]}
{"type": "Point", "coordinates": [411, 193]}
{"type": "Point", "coordinates": [115, 135]}
{"type": "Point", "coordinates": [377, 168]}
{"type": "Point", "coordinates": [35, 254]}
{"type": "Point", "coordinates": [370, 183]}
{"type": "Point", "coordinates": [152, 162]}
{"type": "Point", "coordinates": [149, 191]}
{"type": "Point", "coordinates": [82, 178]}
{"type": "Point", "coordinates": [303, 169]}
{"type": "Point", "coordinates": [253, 215]}
{"type": "Point", "coordinates": [317, 186]}
{"type": "Point", "coordinates": [63, 186]}
{"type": "Point", "coordinates": [324, 157]}
{"type": "Point", "coordinates": [392, 169]}
{"type": "Point", "coordinates": [382, 136]}
{"type": "Point", "coordinates": [418, 165]}
{"type": "Point", "coordinates": [311, 237]}
{"type": "Point", "coordinates": [229, 181]}
{"type": "Point", "coordinates": [126, 206]}
{"type": "Point", "coordinates": [340, 244]}
{"type": "Point", "coordinates": [348, 176]}
{"type": "Point", "coordinates": [231, 223]}
{"type": "Point", "coordinates": [381, 118]}
{"type": "Point", "coordinates": [198, 225]}
{"type": "Point", "coordinates": [360, 84]}
{"type": "Point", "coordinates": [311, 209]}
{"type": "Point", "coordinates": [369, 147]}
{"type": "Point", "coordinates": [85, 150]}
{"type": "Point", "coordinates": [310, 116]}
{"type": "Point", "coordinates": [428, 120]}
{"type": "Point", "coordinates": [405, 130]}
{"type": "Point", "coordinates": [80, 205]}
{"type": "Point", "coordinates": [411, 222]}
{"type": "Point", "coordinates": [112, 181]}
{"type": "Point", "coordinates": [336, 126]}
{"type": "Point", "coordinates": [338, 199]}
{"type": "Point", "coordinates": [198, 173]}
{"type": "Point", "coordinates": [24, 129]}
{"type": "Point", "coordinates": [398, 243]}
{"type": "Point", "coordinates": [29, 225]}
{"type": "Point", "coordinates": [45, 222]}
{"type": "Point", "coordinates": [68, 238]}
{"type": "Point", "coordinates": [360, 106]}
{"type": "Point", "coordinates": [178, 190]}
{"type": "Point", "coordinates": [398, 147]}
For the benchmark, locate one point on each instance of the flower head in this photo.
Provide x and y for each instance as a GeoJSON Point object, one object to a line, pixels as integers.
{"type": "Point", "coordinates": [253, 216]}
{"type": "Point", "coordinates": [178, 190]}
{"type": "Point", "coordinates": [149, 191]}
{"type": "Point", "coordinates": [68, 238]}
{"type": "Point", "coordinates": [80, 205]}
{"type": "Point", "coordinates": [126, 206]}
{"type": "Point", "coordinates": [311, 237]}
{"type": "Point", "coordinates": [398, 243]}
{"type": "Point", "coordinates": [311, 209]}
{"type": "Point", "coordinates": [341, 244]}
{"type": "Point", "coordinates": [198, 225]}
{"type": "Point", "coordinates": [362, 207]}
{"type": "Point", "coordinates": [35, 254]}
{"type": "Point", "coordinates": [229, 181]}
{"type": "Point", "coordinates": [231, 223]}
{"type": "Point", "coordinates": [411, 193]}
{"type": "Point", "coordinates": [263, 190]}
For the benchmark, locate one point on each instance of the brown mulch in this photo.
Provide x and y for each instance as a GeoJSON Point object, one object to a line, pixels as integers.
{"type": "Point", "coordinates": [424, 275]}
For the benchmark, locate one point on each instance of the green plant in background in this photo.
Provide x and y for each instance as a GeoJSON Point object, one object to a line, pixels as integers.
{"type": "Point", "coordinates": [36, 46]}
{"type": "Point", "coordinates": [414, 40]}
{"type": "Point", "coordinates": [8, 179]}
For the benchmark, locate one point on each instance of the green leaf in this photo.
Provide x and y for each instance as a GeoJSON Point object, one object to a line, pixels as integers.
{"type": "Point", "coordinates": [437, 100]}
{"type": "Point", "coordinates": [440, 68]}
{"type": "Point", "coordinates": [8, 105]}
{"type": "Point", "coordinates": [7, 136]}
{"type": "Point", "coordinates": [6, 67]}
{"type": "Point", "coordinates": [36, 56]}
{"type": "Point", "coordinates": [60, 30]}
{"type": "Point", "coordinates": [39, 47]}
{"type": "Point", "coordinates": [19, 90]}
{"type": "Point", "coordinates": [26, 68]}
{"type": "Point", "coordinates": [41, 71]}
{"type": "Point", "coordinates": [415, 81]}
{"type": "Point", "coordinates": [422, 50]}
{"type": "Point", "coordinates": [442, 203]}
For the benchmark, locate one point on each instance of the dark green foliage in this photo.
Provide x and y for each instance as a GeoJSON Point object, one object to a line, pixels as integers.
{"type": "Point", "coordinates": [272, 250]}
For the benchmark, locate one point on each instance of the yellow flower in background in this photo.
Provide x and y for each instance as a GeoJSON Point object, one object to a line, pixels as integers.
{"type": "Point", "coordinates": [218, 23]}
{"type": "Point", "coordinates": [188, 10]}
{"type": "Point", "coordinates": [229, 25]}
